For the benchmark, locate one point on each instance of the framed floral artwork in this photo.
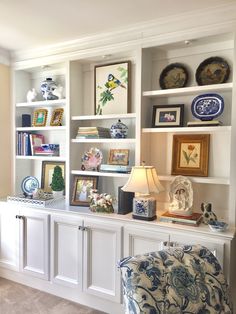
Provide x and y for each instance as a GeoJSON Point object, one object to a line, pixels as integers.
{"type": "Point", "coordinates": [167, 116]}
{"type": "Point", "coordinates": [40, 117]}
{"type": "Point", "coordinates": [190, 155]}
{"type": "Point", "coordinates": [118, 157]}
{"type": "Point", "coordinates": [112, 88]}
{"type": "Point", "coordinates": [82, 187]}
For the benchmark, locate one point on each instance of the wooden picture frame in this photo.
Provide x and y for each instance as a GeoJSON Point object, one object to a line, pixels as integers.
{"type": "Point", "coordinates": [40, 117]}
{"type": "Point", "coordinates": [81, 189]}
{"type": "Point", "coordinates": [56, 118]}
{"type": "Point", "coordinates": [112, 88]}
{"type": "Point", "coordinates": [190, 155]}
{"type": "Point", "coordinates": [47, 172]}
{"type": "Point", "coordinates": [167, 116]}
{"type": "Point", "coordinates": [118, 157]}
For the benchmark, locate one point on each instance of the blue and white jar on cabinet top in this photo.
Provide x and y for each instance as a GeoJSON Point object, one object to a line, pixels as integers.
{"type": "Point", "coordinates": [47, 88]}
{"type": "Point", "coordinates": [119, 130]}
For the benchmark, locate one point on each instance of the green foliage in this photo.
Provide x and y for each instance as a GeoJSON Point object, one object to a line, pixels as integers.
{"type": "Point", "coordinates": [58, 183]}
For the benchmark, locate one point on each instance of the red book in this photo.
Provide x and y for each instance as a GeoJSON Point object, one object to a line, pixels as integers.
{"type": "Point", "coordinates": [194, 219]}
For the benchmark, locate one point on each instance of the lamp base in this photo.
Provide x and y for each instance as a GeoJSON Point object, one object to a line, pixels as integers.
{"type": "Point", "coordinates": [144, 208]}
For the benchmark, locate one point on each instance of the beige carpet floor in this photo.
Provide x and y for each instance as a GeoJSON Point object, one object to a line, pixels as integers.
{"type": "Point", "coordinates": [19, 299]}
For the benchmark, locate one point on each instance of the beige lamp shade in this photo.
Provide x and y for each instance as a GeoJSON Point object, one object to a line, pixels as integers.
{"type": "Point", "coordinates": [144, 180]}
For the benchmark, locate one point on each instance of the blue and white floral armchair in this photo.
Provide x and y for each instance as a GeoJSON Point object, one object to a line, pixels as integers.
{"type": "Point", "coordinates": [187, 280]}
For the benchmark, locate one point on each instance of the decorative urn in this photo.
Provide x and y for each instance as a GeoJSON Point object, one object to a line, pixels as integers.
{"type": "Point", "coordinates": [47, 88]}
{"type": "Point", "coordinates": [119, 130]}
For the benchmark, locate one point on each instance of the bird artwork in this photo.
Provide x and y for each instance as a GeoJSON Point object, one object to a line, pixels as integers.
{"type": "Point", "coordinates": [113, 82]}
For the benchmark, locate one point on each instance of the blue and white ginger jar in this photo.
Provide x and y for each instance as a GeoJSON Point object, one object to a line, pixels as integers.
{"type": "Point", "coordinates": [119, 130]}
{"type": "Point", "coordinates": [47, 88]}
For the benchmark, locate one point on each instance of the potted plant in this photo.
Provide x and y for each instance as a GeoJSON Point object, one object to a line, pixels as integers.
{"type": "Point", "coordinates": [58, 183]}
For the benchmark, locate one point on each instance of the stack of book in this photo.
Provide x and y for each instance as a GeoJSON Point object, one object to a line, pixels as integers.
{"type": "Point", "coordinates": [93, 132]}
{"type": "Point", "coordinates": [115, 168]}
{"type": "Point", "coordinates": [204, 123]}
{"type": "Point", "coordinates": [193, 220]}
{"type": "Point", "coordinates": [47, 150]}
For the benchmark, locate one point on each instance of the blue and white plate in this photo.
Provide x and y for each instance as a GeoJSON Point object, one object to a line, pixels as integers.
{"type": "Point", "coordinates": [29, 184]}
{"type": "Point", "coordinates": [207, 107]}
{"type": "Point", "coordinates": [218, 226]}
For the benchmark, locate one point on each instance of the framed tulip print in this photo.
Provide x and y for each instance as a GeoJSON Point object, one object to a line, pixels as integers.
{"type": "Point", "coordinates": [190, 154]}
{"type": "Point", "coordinates": [112, 88]}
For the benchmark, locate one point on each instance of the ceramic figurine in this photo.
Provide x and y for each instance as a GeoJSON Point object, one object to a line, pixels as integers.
{"type": "Point", "coordinates": [58, 92]}
{"type": "Point", "coordinates": [119, 130]}
{"type": "Point", "coordinates": [47, 88]}
{"type": "Point", "coordinates": [31, 95]}
{"type": "Point", "coordinates": [208, 214]}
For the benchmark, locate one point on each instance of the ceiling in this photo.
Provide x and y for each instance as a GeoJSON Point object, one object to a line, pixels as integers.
{"type": "Point", "coordinates": [29, 24]}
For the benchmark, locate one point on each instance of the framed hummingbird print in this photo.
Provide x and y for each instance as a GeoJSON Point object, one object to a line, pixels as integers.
{"type": "Point", "coordinates": [112, 88]}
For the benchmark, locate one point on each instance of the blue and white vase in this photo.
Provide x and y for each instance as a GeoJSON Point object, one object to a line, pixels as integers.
{"type": "Point", "coordinates": [119, 130]}
{"type": "Point", "coordinates": [47, 88]}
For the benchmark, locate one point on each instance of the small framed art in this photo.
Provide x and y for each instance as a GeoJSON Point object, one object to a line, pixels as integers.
{"type": "Point", "coordinates": [82, 187]}
{"type": "Point", "coordinates": [118, 157]}
{"type": "Point", "coordinates": [112, 88]}
{"type": "Point", "coordinates": [40, 117]}
{"type": "Point", "coordinates": [167, 116]}
{"type": "Point", "coordinates": [190, 154]}
{"type": "Point", "coordinates": [47, 172]}
{"type": "Point", "coordinates": [56, 118]}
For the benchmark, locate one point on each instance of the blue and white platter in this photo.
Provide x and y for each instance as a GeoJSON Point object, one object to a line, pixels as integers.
{"type": "Point", "coordinates": [29, 184]}
{"type": "Point", "coordinates": [207, 107]}
{"type": "Point", "coordinates": [218, 226]}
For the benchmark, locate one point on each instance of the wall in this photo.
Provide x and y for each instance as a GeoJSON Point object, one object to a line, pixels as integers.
{"type": "Point", "coordinates": [5, 131]}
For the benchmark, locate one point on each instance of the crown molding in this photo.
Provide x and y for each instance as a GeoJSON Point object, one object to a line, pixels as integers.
{"type": "Point", "coordinates": [185, 26]}
{"type": "Point", "coordinates": [4, 57]}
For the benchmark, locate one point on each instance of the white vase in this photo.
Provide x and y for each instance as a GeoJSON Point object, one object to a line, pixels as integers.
{"type": "Point", "coordinates": [57, 194]}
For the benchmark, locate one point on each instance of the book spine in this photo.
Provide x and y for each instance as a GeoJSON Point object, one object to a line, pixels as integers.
{"type": "Point", "coordinates": [180, 220]}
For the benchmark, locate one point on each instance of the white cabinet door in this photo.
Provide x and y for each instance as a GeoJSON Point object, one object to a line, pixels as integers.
{"type": "Point", "coordinates": [66, 250]}
{"type": "Point", "coordinates": [138, 240]}
{"type": "Point", "coordinates": [34, 243]}
{"type": "Point", "coordinates": [215, 246]}
{"type": "Point", "coordinates": [102, 250]}
{"type": "Point", "coordinates": [9, 237]}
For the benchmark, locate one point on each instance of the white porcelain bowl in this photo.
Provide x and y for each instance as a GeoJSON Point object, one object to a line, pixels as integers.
{"type": "Point", "coordinates": [218, 226]}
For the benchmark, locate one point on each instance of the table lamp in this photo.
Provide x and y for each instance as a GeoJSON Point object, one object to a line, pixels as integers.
{"type": "Point", "coordinates": [143, 180]}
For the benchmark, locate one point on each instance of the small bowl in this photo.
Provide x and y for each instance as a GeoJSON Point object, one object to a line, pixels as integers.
{"type": "Point", "coordinates": [217, 226]}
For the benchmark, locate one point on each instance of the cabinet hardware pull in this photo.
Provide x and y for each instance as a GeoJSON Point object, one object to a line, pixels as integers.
{"type": "Point", "coordinates": [19, 217]}
{"type": "Point", "coordinates": [83, 228]}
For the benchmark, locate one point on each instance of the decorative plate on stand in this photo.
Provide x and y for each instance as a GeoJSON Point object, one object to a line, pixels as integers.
{"type": "Point", "coordinates": [92, 159]}
{"type": "Point", "coordinates": [29, 184]}
{"type": "Point", "coordinates": [214, 70]}
{"type": "Point", "coordinates": [175, 75]}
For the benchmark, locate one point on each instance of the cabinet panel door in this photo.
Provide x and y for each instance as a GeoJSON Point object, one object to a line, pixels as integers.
{"type": "Point", "coordinates": [34, 243]}
{"type": "Point", "coordinates": [102, 250]}
{"type": "Point", "coordinates": [138, 240]}
{"type": "Point", "coordinates": [66, 250]}
{"type": "Point", "coordinates": [215, 246]}
{"type": "Point", "coordinates": [9, 237]}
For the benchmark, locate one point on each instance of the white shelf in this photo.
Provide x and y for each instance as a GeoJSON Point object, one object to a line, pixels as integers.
{"type": "Point", "coordinates": [41, 128]}
{"type": "Point", "coordinates": [100, 174]}
{"type": "Point", "coordinates": [189, 90]}
{"type": "Point", "coordinates": [45, 103]}
{"type": "Point", "coordinates": [206, 180]}
{"type": "Point", "coordinates": [104, 117]}
{"type": "Point", "coordinates": [104, 140]}
{"type": "Point", "coordinates": [208, 129]}
{"type": "Point", "coordinates": [53, 158]}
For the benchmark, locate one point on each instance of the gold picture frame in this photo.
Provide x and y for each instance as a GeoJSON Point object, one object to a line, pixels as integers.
{"type": "Point", "coordinates": [56, 118]}
{"type": "Point", "coordinates": [47, 172]}
{"type": "Point", "coordinates": [81, 189]}
{"type": "Point", "coordinates": [40, 117]}
{"type": "Point", "coordinates": [190, 155]}
{"type": "Point", "coordinates": [118, 157]}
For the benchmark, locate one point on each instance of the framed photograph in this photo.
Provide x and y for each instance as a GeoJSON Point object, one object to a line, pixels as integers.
{"type": "Point", "coordinates": [190, 155]}
{"type": "Point", "coordinates": [40, 117]}
{"type": "Point", "coordinates": [81, 189]}
{"type": "Point", "coordinates": [112, 88]}
{"type": "Point", "coordinates": [118, 157]}
{"type": "Point", "coordinates": [47, 172]}
{"type": "Point", "coordinates": [56, 118]}
{"type": "Point", "coordinates": [167, 116]}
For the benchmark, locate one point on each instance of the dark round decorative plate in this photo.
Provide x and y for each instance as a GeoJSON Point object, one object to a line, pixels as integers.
{"type": "Point", "coordinates": [214, 70]}
{"type": "Point", "coordinates": [175, 75]}
{"type": "Point", "coordinates": [29, 184]}
{"type": "Point", "coordinates": [206, 107]}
